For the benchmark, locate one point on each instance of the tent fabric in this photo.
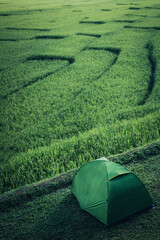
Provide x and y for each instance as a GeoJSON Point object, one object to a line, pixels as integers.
{"type": "Point", "coordinates": [109, 191]}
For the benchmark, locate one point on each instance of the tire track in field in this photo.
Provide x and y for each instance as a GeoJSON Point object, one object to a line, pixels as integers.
{"type": "Point", "coordinates": [153, 66]}
{"type": "Point", "coordinates": [89, 35]}
{"type": "Point", "coordinates": [55, 37]}
{"type": "Point", "coordinates": [106, 10]}
{"type": "Point", "coordinates": [6, 14]}
{"type": "Point", "coordinates": [128, 4]}
{"type": "Point", "coordinates": [77, 11]}
{"type": "Point", "coordinates": [134, 8]}
{"type": "Point", "coordinates": [145, 28]}
{"type": "Point", "coordinates": [52, 57]}
{"type": "Point", "coordinates": [13, 40]}
{"type": "Point", "coordinates": [136, 15]}
{"type": "Point", "coordinates": [153, 8]}
{"type": "Point", "coordinates": [23, 12]}
{"type": "Point", "coordinates": [10, 40]}
{"type": "Point", "coordinates": [92, 22]}
{"type": "Point", "coordinates": [29, 29]}
{"type": "Point", "coordinates": [124, 21]}
{"type": "Point", "coordinates": [49, 37]}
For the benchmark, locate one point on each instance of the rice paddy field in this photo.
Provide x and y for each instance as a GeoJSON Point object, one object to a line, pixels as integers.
{"type": "Point", "coordinates": [79, 80]}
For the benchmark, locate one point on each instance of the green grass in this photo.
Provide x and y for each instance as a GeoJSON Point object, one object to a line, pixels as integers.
{"type": "Point", "coordinates": [49, 210]}
{"type": "Point", "coordinates": [79, 80]}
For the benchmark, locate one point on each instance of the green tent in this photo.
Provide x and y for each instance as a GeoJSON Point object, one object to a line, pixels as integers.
{"type": "Point", "coordinates": [109, 191]}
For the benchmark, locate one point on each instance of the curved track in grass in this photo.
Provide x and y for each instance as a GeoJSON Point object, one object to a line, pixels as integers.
{"type": "Point", "coordinates": [153, 65]}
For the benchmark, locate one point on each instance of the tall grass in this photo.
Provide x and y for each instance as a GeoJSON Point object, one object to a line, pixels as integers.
{"type": "Point", "coordinates": [64, 155]}
{"type": "Point", "coordinates": [74, 89]}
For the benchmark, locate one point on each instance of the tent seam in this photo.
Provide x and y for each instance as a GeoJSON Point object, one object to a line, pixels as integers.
{"type": "Point", "coordinates": [95, 204]}
{"type": "Point", "coordinates": [108, 193]}
{"type": "Point", "coordinates": [124, 173]}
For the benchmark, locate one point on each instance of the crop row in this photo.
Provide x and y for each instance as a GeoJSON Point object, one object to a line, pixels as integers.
{"type": "Point", "coordinates": [72, 153]}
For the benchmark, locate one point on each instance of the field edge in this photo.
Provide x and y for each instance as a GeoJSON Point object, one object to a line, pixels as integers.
{"type": "Point", "coordinates": [27, 193]}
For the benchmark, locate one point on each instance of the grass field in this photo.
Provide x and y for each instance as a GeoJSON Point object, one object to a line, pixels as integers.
{"type": "Point", "coordinates": [48, 210]}
{"type": "Point", "coordinates": [79, 80]}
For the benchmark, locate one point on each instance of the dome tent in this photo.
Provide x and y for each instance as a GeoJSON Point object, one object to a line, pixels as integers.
{"type": "Point", "coordinates": [109, 191]}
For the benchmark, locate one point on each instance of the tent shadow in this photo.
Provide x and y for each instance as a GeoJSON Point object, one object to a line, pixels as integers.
{"type": "Point", "coordinates": [68, 221]}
